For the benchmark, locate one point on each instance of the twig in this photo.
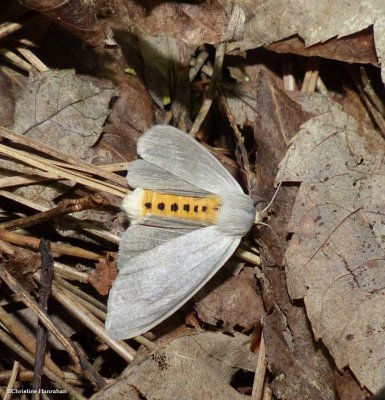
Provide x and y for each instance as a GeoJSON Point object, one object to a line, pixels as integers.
{"type": "Point", "coordinates": [218, 63]}
{"type": "Point", "coordinates": [27, 376]}
{"type": "Point", "coordinates": [288, 77]}
{"type": "Point", "coordinates": [240, 140]}
{"type": "Point", "coordinates": [26, 338]}
{"type": "Point", "coordinates": [42, 147]}
{"type": "Point", "coordinates": [97, 312]}
{"type": "Point", "coordinates": [260, 371]}
{"type": "Point", "coordinates": [48, 166]}
{"type": "Point", "coordinates": [236, 16]}
{"type": "Point", "coordinates": [80, 293]}
{"type": "Point", "coordinates": [248, 256]}
{"type": "Point", "coordinates": [199, 61]}
{"type": "Point", "coordinates": [12, 380]}
{"type": "Point", "coordinates": [65, 207]}
{"type": "Point", "coordinates": [70, 272]}
{"type": "Point", "coordinates": [41, 333]}
{"type": "Point", "coordinates": [105, 235]}
{"type": "Point", "coordinates": [91, 372]}
{"type": "Point", "coordinates": [311, 75]}
{"type": "Point", "coordinates": [368, 88]}
{"type": "Point", "coordinates": [32, 59]}
{"type": "Point", "coordinates": [79, 312]}
{"type": "Point", "coordinates": [15, 60]}
{"type": "Point", "coordinates": [22, 294]}
{"type": "Point", "coordinates": [32, 242]}
{"type": "Point", "coordinates": [9, 342]}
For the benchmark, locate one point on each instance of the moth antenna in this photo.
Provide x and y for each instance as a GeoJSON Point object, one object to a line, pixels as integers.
{"type": "Point", "coordinates": [276, 190]}
{"type": "Point", "coordinates": [259, 215]}
{"type": "Point", "coordinates": [278, 241]}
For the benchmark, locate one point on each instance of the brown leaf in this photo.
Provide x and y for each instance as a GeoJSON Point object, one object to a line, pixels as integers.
{"type": "Point", "coordinates": [234, 301]}
{"type": "Point", "coordinates": [64, 111]}
{"type": "Point", "coordinates": [278, 119]}
{"type": "Point", "coordinates": [22, 264]}
{"type": "Point", "coordinates": [357, 48]}
{"type": "Point", "coordinates": [348, 388]}
{"type": "Point", "coordinates": [301, 368]}
{"type": "Point", "coordinates": [131, 115]}
{"type": "Point", "coordinates": [315, 23]}
{"type": "Point", "coordinates": [104, 275]}
{"type": "Point", "coordinates": [335, 257]}
{"type": "Point", "coordinates": [191, 367]}
{"type": "Point", "coordinates": [75, 15]}
{"type": "Point", "coordinates": [192, 23]}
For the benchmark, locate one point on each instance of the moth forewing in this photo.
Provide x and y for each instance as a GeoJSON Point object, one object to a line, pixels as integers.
{"type": "Point", "coordinates": [188, 215]}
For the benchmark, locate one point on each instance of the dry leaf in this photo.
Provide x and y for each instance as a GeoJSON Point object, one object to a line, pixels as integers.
{"type": "Point", "coordinates": [190, 367]}
{"type": "Point", "coordinates": [22, 264]}
{"type": "Point", "coordinates": [64, 111]}
{"type": "Point", "coordinates": [335, 256]}
{"type": "Point", "coordinates": [314, 22]}
{"type": "Point", "coordinates": [235, 301]}
{"type": "Point", "coordinates": [195, 24]}
{"type": "Point", "coordinates": [77, 16]}
{"type": "Point", "coordinates": [101, 279]}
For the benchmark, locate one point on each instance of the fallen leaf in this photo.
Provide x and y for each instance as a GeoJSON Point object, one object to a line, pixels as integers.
{"type": "Point", "coordinates": [234, 301]}
{"type": "Point", "coordinates": [335, 256]}
{"type": "Point", "coordinates": [64, 111]}
{"type": "Point", "coordinates": [21, 265]}
{"type": "Point", "coordinates": [101, 279]}
{"type": "Point", "coordinates": [198, 366]}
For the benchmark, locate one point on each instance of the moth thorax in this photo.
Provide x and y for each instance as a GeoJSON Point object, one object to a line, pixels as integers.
{"type": "Point", "coordinates": [141, 203]}
{"type": "Point", "coordinates": [237, 214]}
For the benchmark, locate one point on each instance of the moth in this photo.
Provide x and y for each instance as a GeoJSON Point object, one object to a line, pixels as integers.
{"type": "Point", "coordinates": [188, 215]}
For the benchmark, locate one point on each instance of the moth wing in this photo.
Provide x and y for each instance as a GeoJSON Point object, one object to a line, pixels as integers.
{"type": "Point", "coordinates": [153, 285]}
{"type": "Point", "coordinates": [143, 174]}
{"type": "Point", "coordinates": [181, 155]}
{"type": "Point", "coordinates": [140, 238]}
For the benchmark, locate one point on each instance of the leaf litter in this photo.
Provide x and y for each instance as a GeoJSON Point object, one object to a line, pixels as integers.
{"type": "Point", "coordinates": [334, 170]}
{"type": "Point", "coordinates": [335, 256]}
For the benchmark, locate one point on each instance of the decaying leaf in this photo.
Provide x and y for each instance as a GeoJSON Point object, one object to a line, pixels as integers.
{"type": "Point", "coordinates": [22, 264]}
{"type": "Point", "coordinates": [204, 22]}
{"type": "Point", "coordinates": [101, 279]}
{"type": "Point", "coordinates": [198, 366]}
{"type": "Point", "coordinates": [64, 111]}
{"type": "Point", "coordinates": [235, 301]}
{"type": "Point", "coordinates": [314, 22]}
{"type": "Point", "coordinates": [335, 256]}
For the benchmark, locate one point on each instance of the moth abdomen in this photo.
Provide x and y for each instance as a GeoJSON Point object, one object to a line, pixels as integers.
{"type": "Point", "coordinates": [142, 202]}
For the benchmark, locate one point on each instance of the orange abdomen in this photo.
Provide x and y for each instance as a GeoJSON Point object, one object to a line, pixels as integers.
{"type": "Point", "coordinates": [203, 209]}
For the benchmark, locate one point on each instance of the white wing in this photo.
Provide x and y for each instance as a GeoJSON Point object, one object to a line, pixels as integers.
{"type": "Point", "coordinates": [181, 155]}
{"type": "Point", "coordinates": [145, 175]}
{"type": "Point", "coordinates": [154, 284]}
{"type": "Point", "coordinates": [140, 238]}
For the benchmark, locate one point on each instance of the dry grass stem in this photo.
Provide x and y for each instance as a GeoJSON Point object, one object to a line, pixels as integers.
{"type": "Point", "coordinates": [26, 338]}
{"type": "Point", "coordinates": [12, 380]}
{"type": "Point", "coordinates": [70, 273]}
{"type": "Point", "coordinates": [260, 372]}
{"type": "Point", "coordinates": [80, 293]}
{"type": "Point", "coordinates": [32, 59]}
{"type": "Point", "coordinates": [48, 166]}
{"type": "Point", "coordinates": [15, 60]}
{"type": "Point", "coordinates": [31, 242]}
{"type": "Point", "coordinates": [248, 256]}
{"type": "Point", "coordinates": [48, 150]}
{"type": "Point", "coordinates": [22, 294]}
{"type": "Point", "coordinates": [79, 312]}
{"type": "Point", "coordinates": [18, 349]}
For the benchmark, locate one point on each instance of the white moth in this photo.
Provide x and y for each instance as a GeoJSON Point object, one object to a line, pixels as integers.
{"type": "Point", "coordinates": [188, 215]}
